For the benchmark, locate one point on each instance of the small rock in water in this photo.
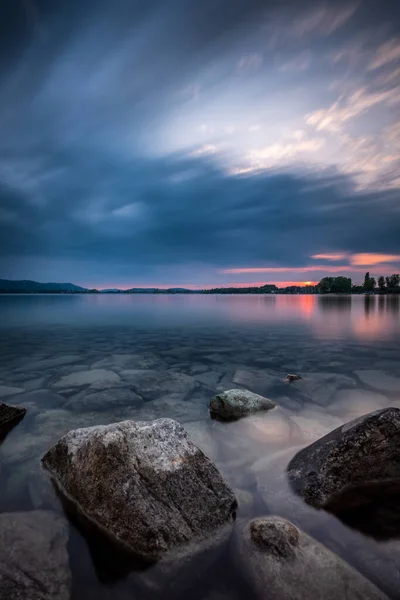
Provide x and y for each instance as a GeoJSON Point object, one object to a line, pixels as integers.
{"type": "Point", "coordinates": [9, 417]}
{"type": "Point", "coordinates": [281, 562]}
{"type": "Point", "coordinates": [292, 377]}
{"type": "Point", "coordinates": [145, 484]}
{"type": "Point", "coordinates": [354, 464]}
{"type": "Point", "coordinates": [234, 404]}
{"type": "Point", "coordinates": [33, 556]}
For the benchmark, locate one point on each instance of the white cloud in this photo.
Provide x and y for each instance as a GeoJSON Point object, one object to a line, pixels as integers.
{"type": "Point", "coordinates": [387, 53]}
{"type": "Point", "coordinates": [332, 119]}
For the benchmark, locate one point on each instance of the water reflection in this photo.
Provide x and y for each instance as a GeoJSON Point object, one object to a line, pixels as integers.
{"type": "Point", "coordinates": [367, 317]}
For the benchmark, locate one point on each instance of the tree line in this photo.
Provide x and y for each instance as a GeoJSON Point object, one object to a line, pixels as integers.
{"type": "Point", "coordinates": [334, 285]}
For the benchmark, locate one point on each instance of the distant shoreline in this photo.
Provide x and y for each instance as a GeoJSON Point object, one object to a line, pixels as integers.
{"type": "Point", "coordinates": [237, 292]}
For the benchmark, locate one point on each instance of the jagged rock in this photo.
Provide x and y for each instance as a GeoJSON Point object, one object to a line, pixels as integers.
{"type": "Point", "coordinates": [33, 556]}
{"type": "Point", "coordinates": [281, 562]}
{"type": "Point", "coordinates": [234, 404]}
{"type": "Point", "coordinates": [9, 417]}
{"type": "Point", "coordinates": [292, 377]}
{"type": "Point", "coordinates": [137, 482]}
{"type": "Point", "coordinates": [352, 465]}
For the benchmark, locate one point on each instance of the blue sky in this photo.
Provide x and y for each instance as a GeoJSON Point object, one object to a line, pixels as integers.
{"type": "Point", "coordinates": [180, 143]}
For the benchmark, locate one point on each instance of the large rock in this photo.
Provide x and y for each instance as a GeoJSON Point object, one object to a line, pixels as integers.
{"type": "Point", "coordinates": [34, 557]}
{"type": "Point", "coordinates": [352, 465]}
{"type": "Point", "coordinates": [281, 562]}
{"type": "Point", "coordinates": [235, 404]}
{"type": "Point", "coordinates": [143, 483]}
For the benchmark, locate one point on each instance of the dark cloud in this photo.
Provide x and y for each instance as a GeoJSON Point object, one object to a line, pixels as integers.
{"type": "Point", "coordinates": [104, 110]}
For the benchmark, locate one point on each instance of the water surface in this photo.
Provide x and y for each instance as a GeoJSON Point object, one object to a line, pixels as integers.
{"type": "Point", "coordinates": [77, 360]}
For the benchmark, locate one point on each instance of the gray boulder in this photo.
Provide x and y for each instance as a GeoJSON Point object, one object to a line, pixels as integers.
{"type": "Point", "coordinates": [33, 556]}
{"type": "Point", "coordinates": [352, 465]}
{"type": "Point", "coordinates": [281, 562]}
{"type": "Point", "coordinates": [234, 404]}
{"type": "Point", "coordinates": [142, 483]}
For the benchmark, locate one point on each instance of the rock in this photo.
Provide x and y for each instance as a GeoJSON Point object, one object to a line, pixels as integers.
{"type": "Point", "coordinates": [173, 407]}
{"type": "Point", "coordinates": [104, 400]}
{"type": "Point", "coordinates": [9, 417]}
{"type": "Point", "coordinates": [9, 391]}
{"type": "Point", "coordinates": [136, 481]}
{"type": "Point", "coordinates": [151, 384]}
{"type": "Point", "coordinates": [50, 363]}
{"type": "Point", "coordinates": [352, 465]}
{"type": "Point", "coordinates": [235, 404]}
{"type": "Point", "coordinates": [87, 377]}
{"type": "Point", "coordinates": [33, 556]}
{"type": "Point", "coordinates": [43, 398]}
{"type": "Point", "coordinates": [209, 379]}
{"type": "Point", "coordinates": [281, 562]}
{"type": "Point", "coordinates": [291, 377]}
{"type": "Point", "coordinates": [320, 387]}
{"type": "Point", "coordinates": [258, 381]}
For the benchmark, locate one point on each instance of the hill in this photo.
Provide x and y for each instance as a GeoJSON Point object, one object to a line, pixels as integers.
{"type": "Point", "coordinates": [7, 285]}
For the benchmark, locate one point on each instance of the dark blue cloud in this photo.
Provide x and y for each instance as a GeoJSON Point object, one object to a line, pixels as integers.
{"type": "Point", "coordinates": [121, 125]}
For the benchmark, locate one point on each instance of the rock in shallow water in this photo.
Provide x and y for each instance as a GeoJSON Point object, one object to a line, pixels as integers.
{"type": "Point", "coordinates": [143, 483]}
{"type": "Point", "coordinates": [234, 404]}
{"type": "Point", "coordinates": [33, 556]}
{"type": "Point", "coordinates": [352, 464]}
{"type": "Point", "coordinates": [9, 417]}
{"type": "Point", "coordinates": [281, 562]}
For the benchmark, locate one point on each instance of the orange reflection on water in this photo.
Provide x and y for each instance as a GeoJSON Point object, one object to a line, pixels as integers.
{"type": "Point", "coordinates": [330, 316]}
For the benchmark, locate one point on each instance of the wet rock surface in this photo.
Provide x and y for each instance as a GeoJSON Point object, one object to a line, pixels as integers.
{"type": "Point", "coordinates": [352, 465]}
{"type": "Point", "coordinates": [33, 556]}
{"type": "Point", "coordinates": [235, 404]}
{"type": "Point", "coordinates": [9, 417]}
{"type": "Point", "coordinates": [137, 480]}
{"type": "Point", "coordinates": [282, 562]}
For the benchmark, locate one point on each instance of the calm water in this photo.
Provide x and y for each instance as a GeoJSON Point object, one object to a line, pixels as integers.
{"type": "Point", "coordinates": [69, 360]}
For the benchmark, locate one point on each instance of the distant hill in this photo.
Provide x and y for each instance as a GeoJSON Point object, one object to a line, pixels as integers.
{"type": "Point", "coordinates": [7, 285]}
{"type": "Point", "coordinates": [110, 291]}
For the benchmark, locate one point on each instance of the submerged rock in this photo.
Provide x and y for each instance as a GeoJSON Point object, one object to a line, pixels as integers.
{"type": "Point", "coordinates": [281, 562]}
{"type": "Point", "coordinates": [87, 377]}
{"type": "Point", "coordinates": [142, 483]}
{"type": "Point", "coordinates": [33, 556]}
{"type": "Point", "coordinates": [234, 404]}
{"type": "Point", "coordinates": [352, 465]}
{"type": "Point", "coordinates": [9, 391]}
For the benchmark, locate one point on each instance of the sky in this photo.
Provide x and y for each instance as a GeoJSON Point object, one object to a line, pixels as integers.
{"type": "Point", "coordinates": [197, 144]}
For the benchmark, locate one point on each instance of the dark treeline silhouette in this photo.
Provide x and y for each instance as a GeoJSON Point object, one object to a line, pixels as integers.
{"type": "Point", "coordinates": [389, 284]}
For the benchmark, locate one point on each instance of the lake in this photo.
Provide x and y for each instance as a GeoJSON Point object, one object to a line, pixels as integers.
{"type": "Point", "coordinates": [81, 360]}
